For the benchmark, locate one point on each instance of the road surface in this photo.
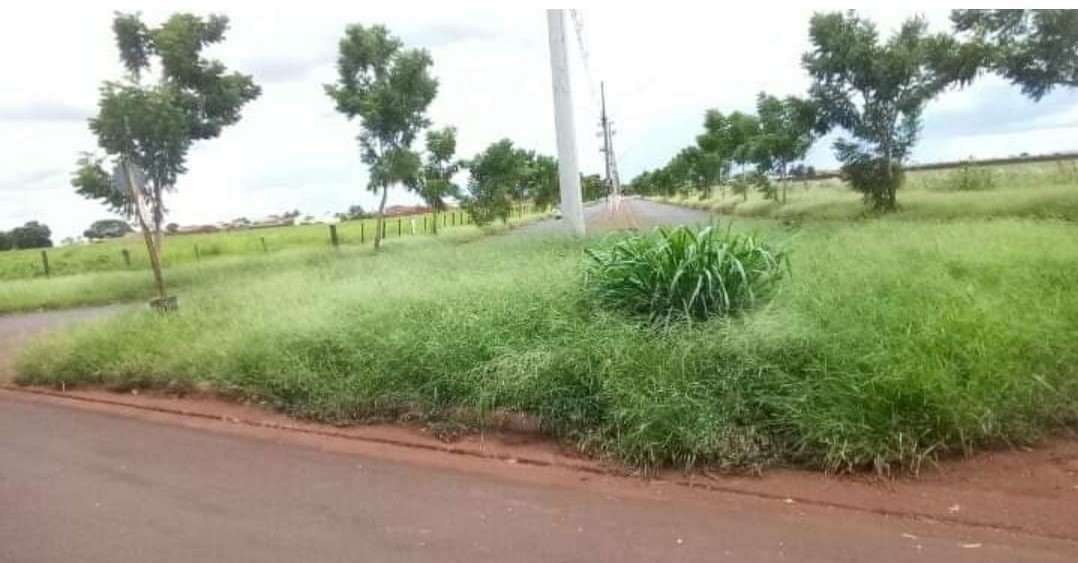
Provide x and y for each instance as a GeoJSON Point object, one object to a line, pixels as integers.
{"type": "Point", "coordinates": [81, 485]}
{"type": "Point", "coordinates": [632, 212]}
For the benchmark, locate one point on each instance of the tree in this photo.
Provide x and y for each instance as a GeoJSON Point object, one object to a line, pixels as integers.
{"type": "Point", "coordinates": [717, 143]}
{"type": "Point", "coordinates": [541, 179]}
{"type": "Point", "coordinates": [876, 92]}
{"type": "Point", "coordinates": [5, 241]}
{"type": "Point", "coordinates": [495, 176]}
{"type": "Point", "coordinates": [147, 127]}
{"type": "Point", "coordinates": [354, 213]}
{"type": "Point", "coordinates": [389, 89]}
{"type": "Point", "coordinates": [436, 179]}
{"type": "Point", "coordinates": [592, 187]}
{"type": "Point", "coordinates": [31, 235]}
{"type": "Point", "coordinates": [1034, 49]}
{"type": "Point", "coordinates": [744, 129]}
{"type": "Point", "coordinates": [107, 228]}
{"type": "Point", "coordinates": [785, 135]}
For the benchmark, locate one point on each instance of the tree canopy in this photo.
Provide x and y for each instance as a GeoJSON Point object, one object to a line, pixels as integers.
{"type": "Point", "coordinates": [876, 91]}
{"type": "Point", "coordinates": [108, 228]}
{"type": "Point", "coordinates": [31, 235]}
{"type": "Point", "coordinates": [435, 181]}
{"type": "Point", "coordinates": [1036, 50]}
{"type": "Point", "coordinates": [388, 88]}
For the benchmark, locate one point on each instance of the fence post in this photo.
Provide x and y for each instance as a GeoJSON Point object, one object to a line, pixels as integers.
{"type": "Point", "coordinates": [398, 228]}
{"type": "Point", "coordinates": [264, 249]}
{"type": "Point", "coordinates": [444, 219]}
{"type": "Point", "coordinates": [127, 257]}
{"type": "Point", "coordinates": [333, 236]}
{"type": "Point", "coordinates": [45, 263]}
{"type": "Point", "coordinates": [198, 256]}
{"type": "Point", "coordinates": [424, 224]}
{"type": "Point", "coordinates": [362, 231]}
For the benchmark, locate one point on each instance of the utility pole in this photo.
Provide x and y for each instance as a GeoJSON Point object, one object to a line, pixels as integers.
{"type": "Point", "coordinates": [612, 184]}
{"type": "Point", "coordinates": [572, 207]}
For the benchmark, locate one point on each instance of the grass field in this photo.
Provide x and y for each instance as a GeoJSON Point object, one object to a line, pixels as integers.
{"type": "Point", "coordinates": [1037, 190]}
{"type": "Point", "coordinates": [890, 343]}
{"type": "Point", "coordinates": [99, 287]}
{"type": "Point", "coordinates": [108, 256]}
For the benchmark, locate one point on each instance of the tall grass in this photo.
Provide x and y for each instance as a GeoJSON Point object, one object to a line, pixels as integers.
{"type": "Point", "coordinates": [894, 342]}
{"type": "Point", "coordinates": [108, 256]}
{"type": "Point", "coordinates": [685, 274]}
{"type": "Point", "coordinates": [1047, 190]}
{"type": "Point", "coordinates": [95, 288]}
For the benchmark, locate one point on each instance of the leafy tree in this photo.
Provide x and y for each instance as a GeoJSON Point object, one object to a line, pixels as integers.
{"type": "Point", "coordinates": [785, 135]}
{"type": "Point", "coordinates": [5, 241]}
{"type": "Point", "coordinates": [593, 187]}
{"type": "Point", "coordinates": [494, 178]}
{"type": "Point", "coordinates": [1034, 49]}
{"type": "Point", "coordinates": [389, 89]}
{"type": "Point", "coordinates": [146, 126]}
{"type": "Point", "coordinates": [31, 235]}
{"type": "Point", "coordinates": [436, 178]}
{"type": "Point", "coordinates": [108, 228]}
{"type": "Point", "coordinates": [876, 91]}
{"type": "Point", "coordinates": [744, 129]}
{"type": "Point", "coordinates": [354, 213]}
{"type": "Point", "coordinates": [541, 179]}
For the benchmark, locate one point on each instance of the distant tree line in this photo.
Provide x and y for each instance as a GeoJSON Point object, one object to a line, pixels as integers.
{"type": "Point", "coordinates": [31, 235]}
{"type": "Point", "coordinates": [875, 91]}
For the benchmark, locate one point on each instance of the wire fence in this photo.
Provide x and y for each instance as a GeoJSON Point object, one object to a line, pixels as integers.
{"type": "Point", "coordinates": [130, 253]}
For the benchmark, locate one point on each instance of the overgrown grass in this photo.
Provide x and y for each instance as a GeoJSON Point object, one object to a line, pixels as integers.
{"type": "Point", "coordinates": [892, 342]}
{"type": "Point", "coordinates": [95, 288]}
{"type": "Point", "coordinates": [108, 256]}
{"type": "Point", "coordinates": [1033, 190]}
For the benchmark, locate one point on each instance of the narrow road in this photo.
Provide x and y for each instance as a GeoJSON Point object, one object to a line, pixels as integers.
{"type": "Point", "coordinates": [80, 485]}
{"type": "Point", "coordinates": [632, 211]}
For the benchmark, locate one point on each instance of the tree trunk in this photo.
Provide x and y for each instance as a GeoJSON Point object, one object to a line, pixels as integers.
{"type": "Point", "coordinates": [152, 247]}
{"type": "Point", "coordinates": [158, 222]}
{"type": "Point", "coordinates": [782, 178]}
{"type": "Point", "coordinates": [381, 217]}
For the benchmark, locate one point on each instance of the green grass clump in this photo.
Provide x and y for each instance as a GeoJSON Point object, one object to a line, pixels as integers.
{"type": "Point", "coordinates": [894, 343]}
{"type": "Point", "coordinates": [685, 273]}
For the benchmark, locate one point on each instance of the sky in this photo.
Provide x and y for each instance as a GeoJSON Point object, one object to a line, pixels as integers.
{"type": "Point", "coordinates": [291, 150]}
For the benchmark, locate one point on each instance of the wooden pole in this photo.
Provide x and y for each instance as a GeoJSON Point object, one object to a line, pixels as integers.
{"type": "Point", "coordinates": [333, 236]}
{"type": "Point", "coordinates": [45, 262]}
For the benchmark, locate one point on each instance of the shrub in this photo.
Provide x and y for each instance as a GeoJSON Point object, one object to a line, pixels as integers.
{"type": "Point", "coordinates": [685, 274]}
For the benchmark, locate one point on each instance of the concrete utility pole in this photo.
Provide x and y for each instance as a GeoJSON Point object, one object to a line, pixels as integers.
{"type": "Point", "coordinates": [612, 184]}
{"type": "Point", "coordinates": [572, 207]}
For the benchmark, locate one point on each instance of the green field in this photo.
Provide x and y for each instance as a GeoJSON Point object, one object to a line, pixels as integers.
{"type": "Point", "coordinates": [891, 342]}
{"type": "Point", "coordinates": [1037, 190]}
{"type": "Point", "coordinates": [109, 286]}
{"type": "Point", "coordinates": [184, 249]}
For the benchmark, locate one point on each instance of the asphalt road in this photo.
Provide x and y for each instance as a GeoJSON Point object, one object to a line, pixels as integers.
{"type": "Point", "coordinates": [79, 485]}
{"type": "Point", "coordinates": [634, 211]}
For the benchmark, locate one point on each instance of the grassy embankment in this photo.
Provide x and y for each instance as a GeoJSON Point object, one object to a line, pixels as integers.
{"type": "Point", "coordinates": [892, 342]}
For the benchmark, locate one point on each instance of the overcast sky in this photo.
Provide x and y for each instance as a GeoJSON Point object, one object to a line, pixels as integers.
{"type": "Point", "coordinates": [662, 70]}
